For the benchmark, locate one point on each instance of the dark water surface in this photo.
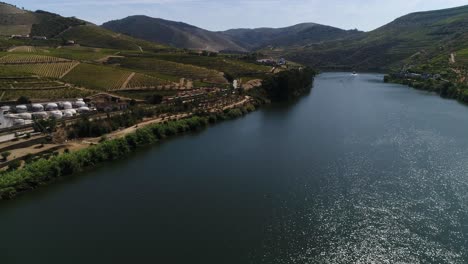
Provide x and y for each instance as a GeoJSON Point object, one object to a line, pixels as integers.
{"type": "Point", "coordinates": [357, 172]}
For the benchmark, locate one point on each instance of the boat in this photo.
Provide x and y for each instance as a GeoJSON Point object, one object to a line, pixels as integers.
{"type": "Point", "coordinates": [354, 73]}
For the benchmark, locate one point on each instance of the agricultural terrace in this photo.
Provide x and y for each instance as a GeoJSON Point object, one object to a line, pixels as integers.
{"type": "Point", "coordinates": [29, 59]}
{"type": "Point", "coordinates": [27, 84]}
{"type": "Point", "coordinates": [81, 53]}
{"type": "Point", "coordinates": [234, 67]}
{"type": "Point", "coordinates": [51, 70]}
{"type": "Point", "coordinates": [144, 94]}
{"type": "Point", "coordinates": [97, 77]}
{"type": "Point", "coordinates": [144, 82]}
{"type": "Point", "coordinates": [156, 67]}
{"type": "Point", "coordinates": [44, 95]}
{"type": "Point", "coordinates": [24, 49]}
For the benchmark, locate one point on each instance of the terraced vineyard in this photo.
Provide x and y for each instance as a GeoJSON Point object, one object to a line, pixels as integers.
{"type": "Point", "coordinates": [23, 49]}
{"type": "Point", "coordinates": [37, 88]}
{"type": "Point", "coordinates": [233, 67]}
{"type": "Point", "coordinates": [156, 67]}
{"type": "Point", "coordinates": [44, 95]}
{"type": "Point", "coordinates": [52, 70]}
{"type": "Point", "coordinates": [143, 82]}
{"type": "Point", "coordinates": [30, 84]}
{"type": "Point", "coordinates": [81, 53]}
{"type": "Point", "coordinates": [29, 59]}
{"type": "Point", "coordinates": [97, 77]}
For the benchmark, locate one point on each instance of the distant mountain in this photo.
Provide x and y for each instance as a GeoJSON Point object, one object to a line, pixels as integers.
{"type": "Point", "coordinates": [415, 39]}
{"type": "Point", "coordinates": [16, 21]}
{"type": "Point", "coordinates": [182, 35]}
{"type": "Point", "coordinates": [176, 34]}
{"type": "Point", "coordinates": [301, 34]}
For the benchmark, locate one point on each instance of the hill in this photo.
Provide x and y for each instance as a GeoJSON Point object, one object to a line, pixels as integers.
{"type": "Point", "coordinates": [16, 21]}
{"type": "Point", "coordinates": [176, 34]}
{"type": "Point", "coordinates": [182, 35]}
{"type": "Point", "coordinates": [416, 38]}
{"type": "Point", "coordinates": [301, 34]}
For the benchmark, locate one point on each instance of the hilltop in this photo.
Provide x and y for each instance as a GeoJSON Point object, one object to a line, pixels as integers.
{"type": "Point", "coordinates": [300, 34]}
{"type": "Point", "coordinates": [410, 40]}
{"type": "Point", "coordinates": [182, 35]}
{"type": "Point", "coordinates": [176, 34]}
{"type": "Point", "coordinates": [16, 21]}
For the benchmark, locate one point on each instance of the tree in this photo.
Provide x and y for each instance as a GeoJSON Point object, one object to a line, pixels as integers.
{"type": "Point", "coordinates": [14, 165]}
{"type": "Point", "coordinates": [5, 155]}
{"type": "Point", "coordinates": [23, 100]}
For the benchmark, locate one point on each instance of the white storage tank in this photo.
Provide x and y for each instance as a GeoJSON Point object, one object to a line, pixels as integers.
{"type": "Point", "coordinates": [40, 115]}
{"type": "Point", "coordinates": [83, 109]}
{"type": "Point", "coordinates": [72, 111]}
{"type": "Point", "coordinates": [56, 114]}
{"type": "Point", "coordinates": [80, 100]}
{"type": "Point", "coordinates": [26, 116]}
{"type": "Point", "coordinates": [21, 109]}
{"type": "Point", "coordinates": [67, 114]}
{"type": "Point", "coordinates": [18, 122]}
{"type": "Point", "coordinates": [5, 108]}
{"type": "Point", "coordinates": [80, 104]}
{"type": "Point", "coordinates": [37, 108]}
{"type": "Point", "coordinates": [51, 106]}
{"type": "Point", "coordinates": [67, 105]}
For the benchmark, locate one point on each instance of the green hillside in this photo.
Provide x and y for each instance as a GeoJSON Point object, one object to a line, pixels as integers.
{"type": "Point", "coordinates": [176, 34]}
{"type": "Point", "coordinates": [94, 36]}
{"type": "Point", "coordinates": [59, 30]}
{"type": "Point", "coordinates": [423, 35]}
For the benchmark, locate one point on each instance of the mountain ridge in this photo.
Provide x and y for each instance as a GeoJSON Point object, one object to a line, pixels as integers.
{"type": "Point", "coordinates": [17, 21]}
{"type": "Point", "coordinates": [183, 35]}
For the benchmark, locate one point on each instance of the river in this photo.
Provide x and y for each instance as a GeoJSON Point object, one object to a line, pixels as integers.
{"type": "Point", "coordinates": [357, 171]}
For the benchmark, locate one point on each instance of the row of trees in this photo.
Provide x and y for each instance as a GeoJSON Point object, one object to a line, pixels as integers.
{"type": "Point", "coordinates": [43, 171]}
{"type": "Point", "coordinates": [96, 128]}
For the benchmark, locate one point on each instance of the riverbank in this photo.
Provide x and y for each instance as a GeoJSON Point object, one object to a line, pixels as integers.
{"type": "Point", "coordinates": [43, 172]}
{"type": "Point", "coordinates": [111, 144]}
{"type": "Point", "coordinates": [443, 88]}
{"type": "Point", "coordinates": [356, 162]}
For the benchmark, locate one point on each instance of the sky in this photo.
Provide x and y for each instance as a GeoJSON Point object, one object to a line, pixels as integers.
{"type": "Point", "coordinates": [224, 14]}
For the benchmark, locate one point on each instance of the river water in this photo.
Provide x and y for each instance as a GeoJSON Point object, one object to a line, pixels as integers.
{"type": "Point", "coordinates": [358, 171]}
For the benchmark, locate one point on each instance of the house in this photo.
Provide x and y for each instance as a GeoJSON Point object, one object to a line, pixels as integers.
{"type": "Point", "coordinates": [106, 102]}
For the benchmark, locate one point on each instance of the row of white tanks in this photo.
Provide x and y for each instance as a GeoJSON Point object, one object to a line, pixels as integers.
{"type": "Point", "coordinates": [43, 111]}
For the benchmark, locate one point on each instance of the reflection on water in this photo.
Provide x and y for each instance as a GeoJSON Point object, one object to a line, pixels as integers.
{"type": "Point", "coordinates": [357, 172]}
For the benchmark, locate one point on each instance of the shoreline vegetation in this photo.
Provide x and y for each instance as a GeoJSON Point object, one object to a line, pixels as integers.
{"type": "Point", "coordinates": [283, 86]}
{"type": "Point", "coordinates": [443, 88]}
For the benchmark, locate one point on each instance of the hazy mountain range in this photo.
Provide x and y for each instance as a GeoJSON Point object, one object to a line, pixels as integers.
{"type": "Point", "coordinates": [416, 38]}
{"type": "Point", "coordinates": [182, 35]}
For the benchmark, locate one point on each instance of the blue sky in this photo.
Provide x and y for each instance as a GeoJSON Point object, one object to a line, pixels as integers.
{"type": "Point", "coordinates": [223, 14]}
